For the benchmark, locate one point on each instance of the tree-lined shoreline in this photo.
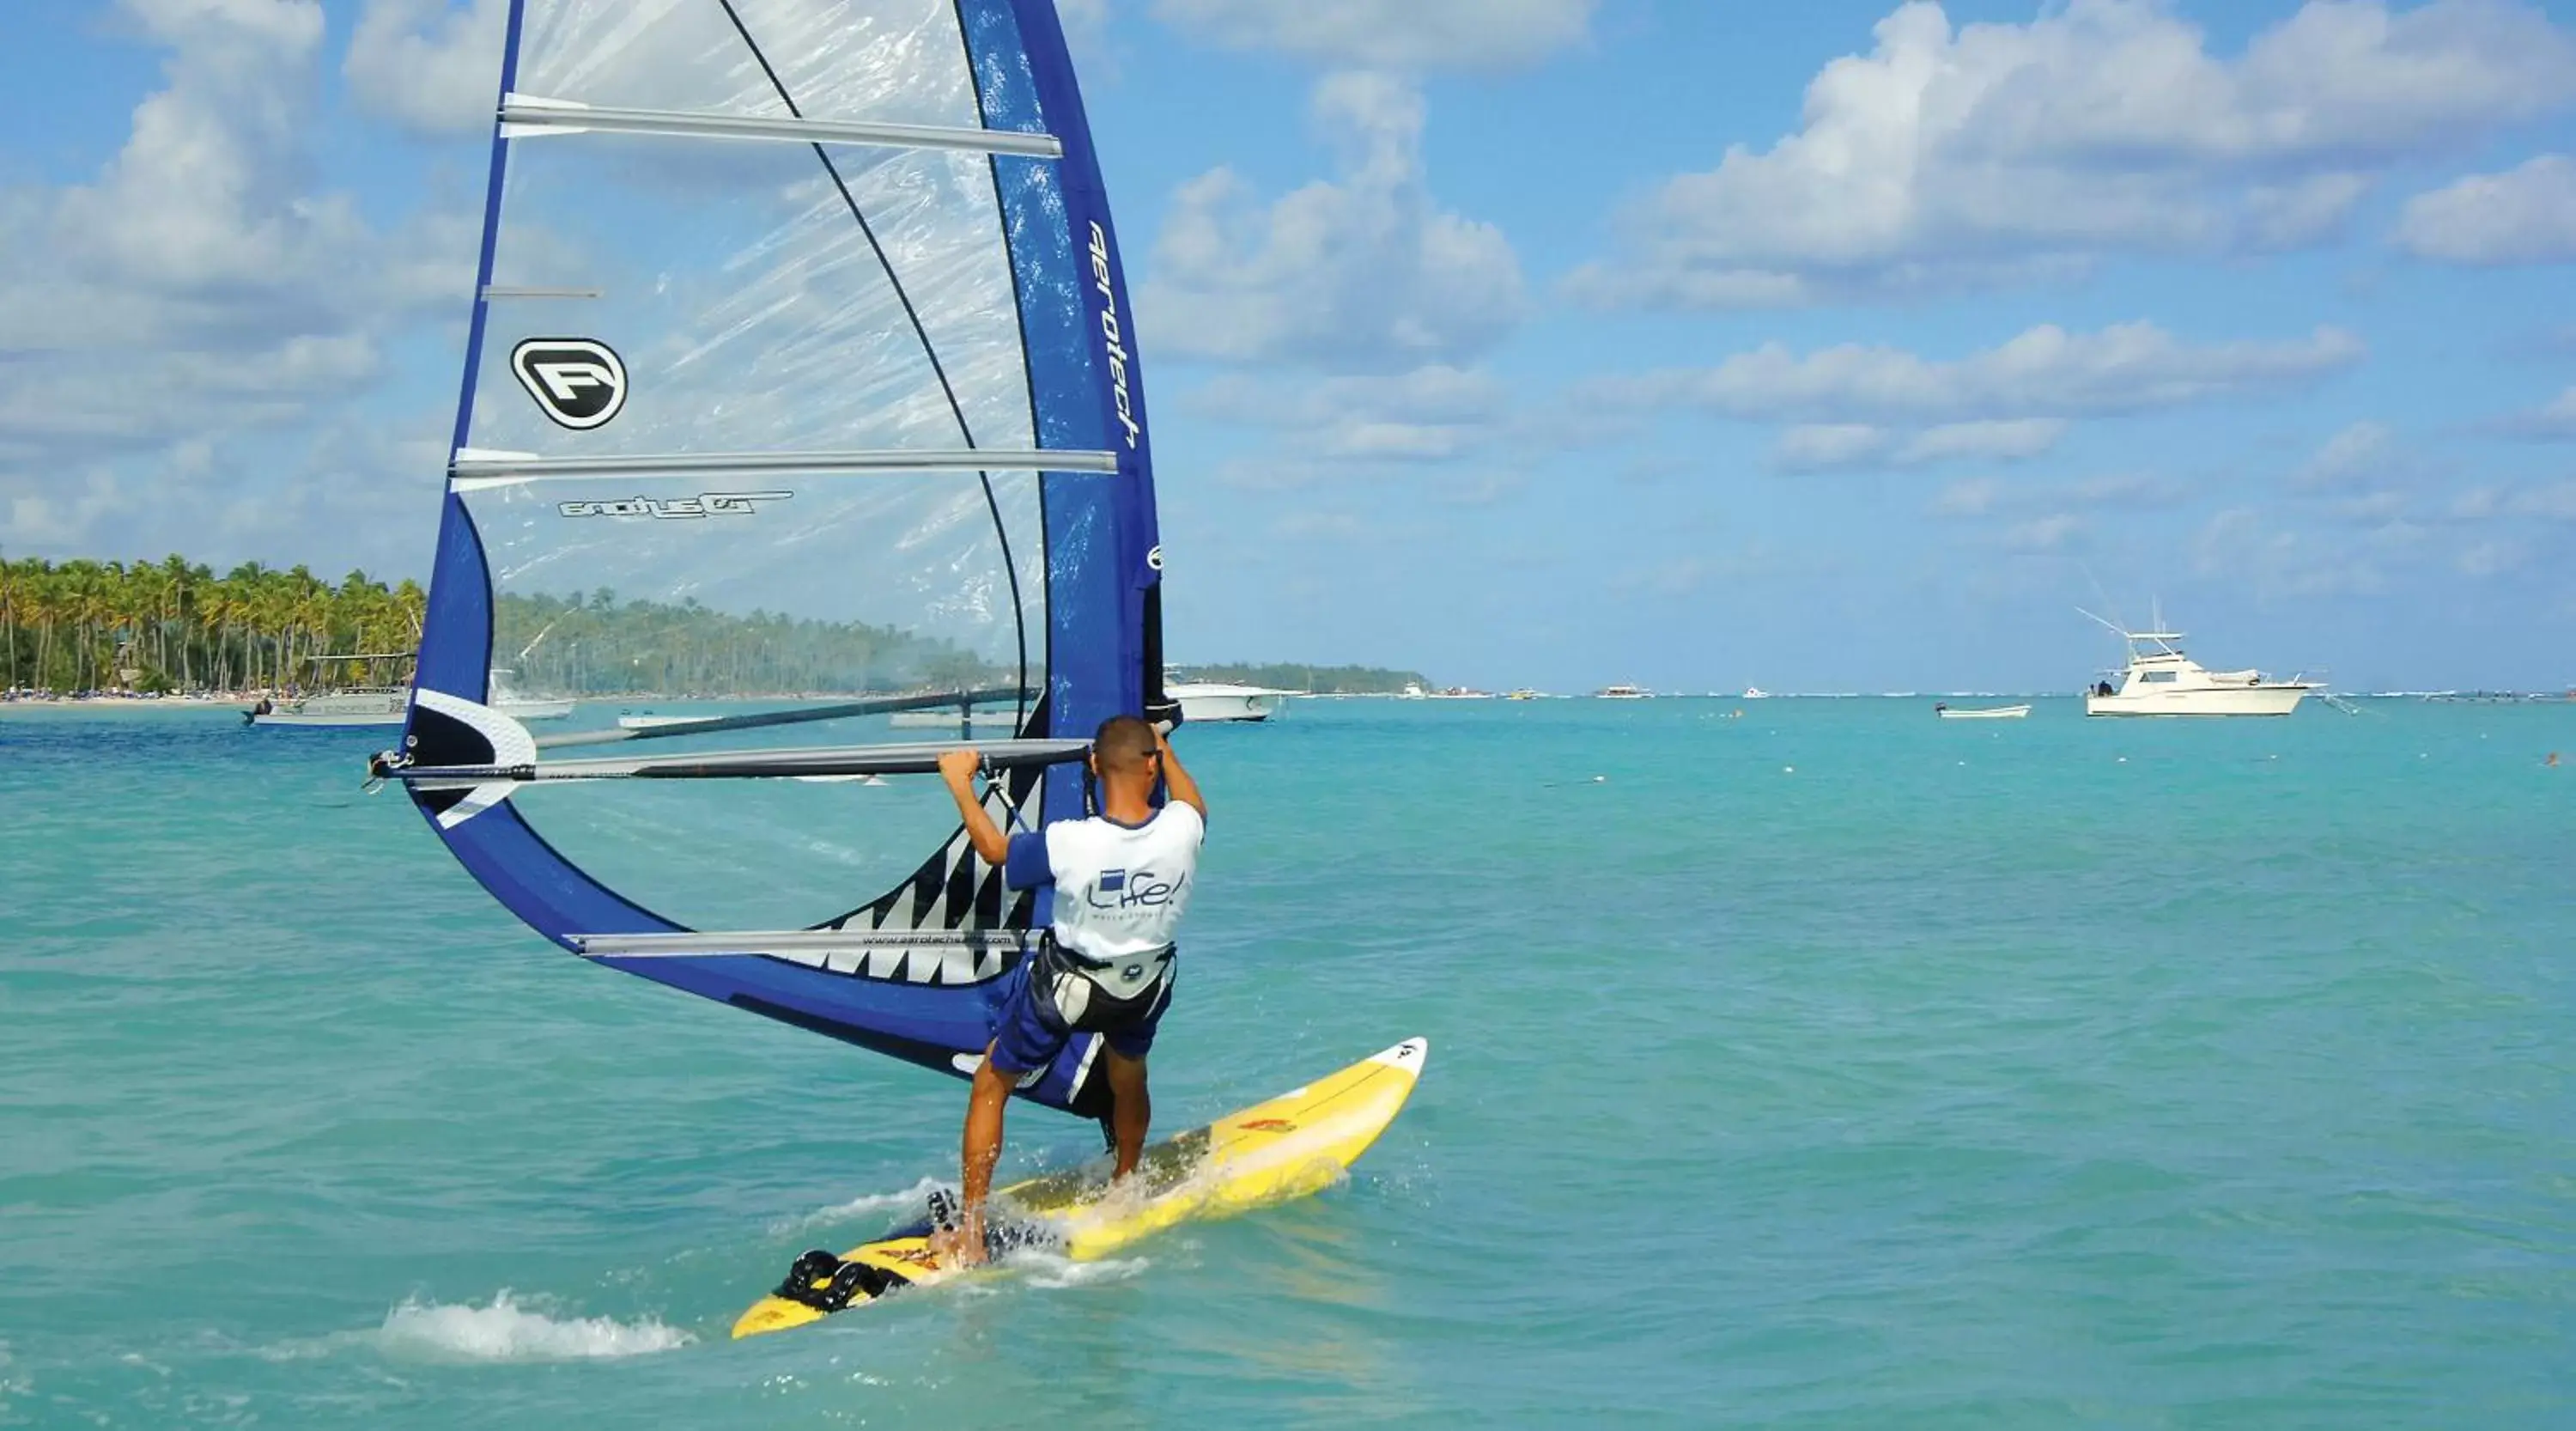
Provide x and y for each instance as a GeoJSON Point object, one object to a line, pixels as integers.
{"type": "Point", "coordinates": [174, 627]}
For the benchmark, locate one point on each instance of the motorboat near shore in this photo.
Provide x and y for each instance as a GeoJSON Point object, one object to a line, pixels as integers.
{"type": "Point", "coordinates": [1949, 712]}
{"type": "Point", "coordinates": [2159, 680]}
{"type": "Point", "coordinates": [1205, 701]}
{"type": "Point", "coordinates": [382, 702]}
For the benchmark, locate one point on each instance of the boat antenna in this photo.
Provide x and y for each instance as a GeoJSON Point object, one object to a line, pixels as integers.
{"type": "Point", "coordinates": [2105, 623]}
{"type": "Point", "coordinates": [2100, 595]}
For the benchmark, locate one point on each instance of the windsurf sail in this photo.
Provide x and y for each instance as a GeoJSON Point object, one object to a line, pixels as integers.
{"type": "Point", "coordinates": [801, 387]}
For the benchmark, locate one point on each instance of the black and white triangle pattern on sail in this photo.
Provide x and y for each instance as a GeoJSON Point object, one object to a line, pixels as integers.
{"type": "Point", "coordinates": [956, 890]}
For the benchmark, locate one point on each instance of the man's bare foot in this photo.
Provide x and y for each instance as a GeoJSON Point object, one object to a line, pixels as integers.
{"type": "Point", "coordinates": [956, 1247]}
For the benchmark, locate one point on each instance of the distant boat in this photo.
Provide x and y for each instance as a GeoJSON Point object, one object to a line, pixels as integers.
{"type": "Point", "coordinates": [1623, 693]}
{"type": "Point", "coordinates": [2160, 680]}
{"type": "Point", "coordinates": [952, 720]}
{"type": "Point", "coordinates": [509, 702]}
{"type": "Point", "coordinates": [1756, 693]}
{"type": "Point", "coordinates": [1206, 702]}
{"type": "Point", "coordinates": [1523, 694]}
{"type": "Point", "coordinates": [385, 702]}
{"type": "Point", "coordinates": [1982, 712]}
{"type": "Point", "coordinates": [654, 722]}
{"type": "Point", "coordinates": [365, 706]}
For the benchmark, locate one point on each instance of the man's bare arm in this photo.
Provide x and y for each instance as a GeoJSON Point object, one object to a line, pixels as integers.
{"type": "Point", "coordinates": [1177, 777]}
{"type": "Point", "coordinates": [958, 768]}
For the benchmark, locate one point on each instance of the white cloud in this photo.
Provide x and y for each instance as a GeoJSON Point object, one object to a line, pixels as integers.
{"type": "Point", "coordinates": [1086, 33]}
{"type": "Point", "coordinates": [1753, 561]}
{"type": "Point", "coordinates": [1391, 34]}
{"type": "Point", "coordinates": [2369, 508]}
{"type": "Point", "coordinates": [2045, 372]}
{"type": "Point", "coordinates": [1363, 273]}
{"type": "Point", "coordinates": [1326, 526]}
{"type": "Point", "coordinates": [173, 316]}
{"type": "Point", "coordinates": [1995, 153]}
{"type": "Point", "coordinates": [2054, 532]}
{"type": "Point", "coordinates": [2488, 559]}
{"type": "Point", "coordinates": [2556, 502]}
{"type": "Point", "coordinates": [2362, 453]}
{"type": "Point", "coordinates": [2132, 491]}
{"type": "Point", "coordinates": [1997, 440]}
{"type": "Point", "coordinates": [2552, 421]}
{"type": "Point", "coordinates": [2242, 546]}
{"type": "Point", "coordinates": [1829, 447]}
{"type": "Point", "coordinates": [2118, 491]}
{"type": "Point", "coordinates": [1973, 497]}
{"type": "Point", "coordinates": [429, 65]}
{"type": "Point", "coordinates": [2524, 215]}
{"type": "Point", "coordinates": [1321, 428]}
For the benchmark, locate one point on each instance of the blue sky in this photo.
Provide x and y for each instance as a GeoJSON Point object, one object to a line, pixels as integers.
{"type": "Point", "coordinates": [1693, 343]}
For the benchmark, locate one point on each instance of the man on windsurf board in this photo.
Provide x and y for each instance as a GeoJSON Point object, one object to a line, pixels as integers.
{"type": "Point", "coordinates": [1119, 881]}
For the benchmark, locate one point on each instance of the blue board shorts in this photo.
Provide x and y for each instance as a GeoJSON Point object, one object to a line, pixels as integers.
{"type": "Point", "coordinates": [1027, 1034]}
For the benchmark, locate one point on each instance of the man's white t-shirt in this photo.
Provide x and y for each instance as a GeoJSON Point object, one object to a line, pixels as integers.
{"type": "Point", "coordinates": [1119, 889]}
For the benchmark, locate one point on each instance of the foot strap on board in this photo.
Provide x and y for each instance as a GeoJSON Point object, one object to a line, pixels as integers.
{"type": "Point", "coordinates": [1003, 1234]}
{"type": "Point", "coordinates": [827, 1284]}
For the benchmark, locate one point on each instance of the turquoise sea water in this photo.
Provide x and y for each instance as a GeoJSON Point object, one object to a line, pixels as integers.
{"type": "Point", "coordinates": [1833, 1066]}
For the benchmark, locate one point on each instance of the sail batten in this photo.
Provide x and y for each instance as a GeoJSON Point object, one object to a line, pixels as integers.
{"type": "Point", "coordinates": [763, 943]}
{"type": "Point", "coordinates": [909, 275]}
{"type": "Point", "coordinates": [840, 710]}
{"type": "Point", "coordinates": [492, 469]}
{"type": "Point", "coordinates": [902, 759]}
{"type": "Point", "coordinates": [527, 116]}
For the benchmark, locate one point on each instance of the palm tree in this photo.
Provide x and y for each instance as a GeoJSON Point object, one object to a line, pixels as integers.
{"type": "Point", "coordinates": [13, 585]}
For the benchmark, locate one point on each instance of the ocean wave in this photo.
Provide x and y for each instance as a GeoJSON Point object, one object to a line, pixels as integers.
{"type": "Point", "coordinates": [505, 1330]}
{"type": "Point", "coordinates": [911, 1200]}
{"type": "Point", "coordinates": [1054, 1270]}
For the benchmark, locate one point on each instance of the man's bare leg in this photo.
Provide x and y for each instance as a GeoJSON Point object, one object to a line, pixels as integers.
{"type": "Point", "coordinates": [1131, 1109]}
{"type": "Point", "coordinates": [982, 1149]}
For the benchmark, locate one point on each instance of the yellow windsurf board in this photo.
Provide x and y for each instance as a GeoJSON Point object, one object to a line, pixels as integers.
{"type": "Point", "coordinates": [1289, 1147]}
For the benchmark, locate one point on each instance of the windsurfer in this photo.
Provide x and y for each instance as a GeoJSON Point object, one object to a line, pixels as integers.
{"type": "Point", "coordinates": [1120, 880]}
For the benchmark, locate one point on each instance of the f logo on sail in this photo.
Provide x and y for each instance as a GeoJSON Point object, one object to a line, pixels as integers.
{"type": "Point", "coordinates": [577, 382]}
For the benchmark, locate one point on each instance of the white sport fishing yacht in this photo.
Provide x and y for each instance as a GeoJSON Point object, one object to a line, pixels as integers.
{"type": "Point", "coordinates": [1205, 701]}
{"type": "Point", "coordinates": [2159, 680]}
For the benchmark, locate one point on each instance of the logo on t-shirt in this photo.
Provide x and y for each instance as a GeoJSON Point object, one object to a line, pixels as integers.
{"type": "Point", "coordinates": [1132, 889]}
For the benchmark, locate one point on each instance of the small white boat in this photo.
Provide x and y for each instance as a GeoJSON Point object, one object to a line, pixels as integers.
{"type": "Point", "coordinates": [366, 706]}
{"type": "Point", "coordinates": [1623, 693]}
{"type": "Point", "coordinates": [1981, 712]}
{"type": "Point", "coordinates": [1756, 693]}
{"type": "Point", "coordinates": [655, 722]}
{"type": "Point", "coordinates": [987, 720]}
{"type": "Point", "coordinates": [380, 701]}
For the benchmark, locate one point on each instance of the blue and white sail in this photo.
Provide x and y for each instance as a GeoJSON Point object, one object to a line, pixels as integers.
{"type": "Point", "coordinates": [801, 386]}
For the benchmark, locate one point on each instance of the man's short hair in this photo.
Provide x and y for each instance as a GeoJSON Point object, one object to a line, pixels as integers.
{"type": "Point", "coordinates": [1123, 742]}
